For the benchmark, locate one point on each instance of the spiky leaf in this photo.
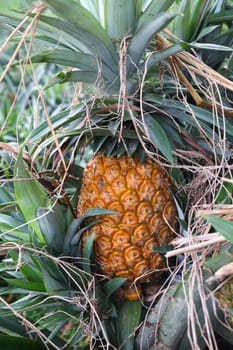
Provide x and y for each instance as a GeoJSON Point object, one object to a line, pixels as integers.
{"type": "Point", "coordinates": [30, 195]}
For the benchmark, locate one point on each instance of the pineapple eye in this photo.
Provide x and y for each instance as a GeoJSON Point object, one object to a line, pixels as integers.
{"type": "Point", "coordinates": [144, 211]}
{"type": "Point", "coordinates": [158, 200]}
{"type": "Point", "coordinates": [148, 248]}
{"type": "Point", "coordinates": [130, 218]}
{"type": "Point", "coordinates": [100, 182]}
{"type": "Point", "coordinates": [104, 245]}
{"type": "Point", "coordinates": [113, 172]}
{"type": "Point", "coordinates": [130, 200]}
{"type": "Point", "coordinates": [140, 235]}
{"type": "Point", "coordinates": [156, 222]}
{"type": "Point", "coordinates": [133, 179]}
{"type": "Point", "coordinates": [140, 268]}
{"type": "Point", "coordinates": [117, 261]}
{"type": "Point", "coordinates": [132, 256]}
{"type": "Point", "coordinates": [146, 190]}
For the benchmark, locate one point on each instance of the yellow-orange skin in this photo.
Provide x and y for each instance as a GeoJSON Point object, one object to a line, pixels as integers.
{"type": "Point", "coordinates": [145, 218]}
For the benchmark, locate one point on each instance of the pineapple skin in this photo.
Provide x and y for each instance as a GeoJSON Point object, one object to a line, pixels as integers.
{"type": "Point", "coordinates": [145, 217]}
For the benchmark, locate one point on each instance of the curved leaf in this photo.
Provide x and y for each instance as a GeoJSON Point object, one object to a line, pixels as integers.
{"type": "Point", "coordinates": [8, 342]}
{"type": "Point", "coordinates": [30, 195]}
{"type": "Point", "coordinates": [52, 224]}
{"type": "Point", "coordinates": [112, 285]}
{"type": "Point", "coordinates": [120, 18]}
{"type": "Point", "coordinates": [85, 76]}
{"type": "Point", "coordinates": [223, 226]}
{"type": "Point", "coordinates": [143, 36]}
{"type": "Point", "coordinates": [154, 8]}
{"type": "Point", "coordinates": [127, 320]}
{"type": "Point", "coordinates": [158, 137]}
{"type": "Point", "coordinates": [74, 59]}
{"type": "Point", "coordinates": [81, 18]}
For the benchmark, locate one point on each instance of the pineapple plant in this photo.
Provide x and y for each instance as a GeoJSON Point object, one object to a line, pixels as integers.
{"type": "Point", "coordinates": [140, 128]}
{"type": "Point", "coordinates": [123, 175]}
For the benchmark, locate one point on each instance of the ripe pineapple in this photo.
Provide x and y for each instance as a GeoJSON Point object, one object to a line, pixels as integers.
{"type": "Point", "coordinates": [145, 216]}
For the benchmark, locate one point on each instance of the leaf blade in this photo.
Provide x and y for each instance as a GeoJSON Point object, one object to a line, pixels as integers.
{"type": "Point", "coordinates": [158, 137]}
{"type": "Point", "coordinates": [29, 196]}
{"type": "Point", "coordinates": [223, 226]}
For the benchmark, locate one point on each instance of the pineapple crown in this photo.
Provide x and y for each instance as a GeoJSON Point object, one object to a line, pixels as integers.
{"type": "Point", "coordinates": [137, 94]}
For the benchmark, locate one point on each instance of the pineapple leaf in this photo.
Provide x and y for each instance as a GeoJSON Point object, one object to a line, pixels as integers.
{"type": "Point", "coordinates": [11, 325]}
{"type": "Point", "coordinates": [207, 46]}
{"type": "Point", "coordinates": [112, 285]}
{"type": "Point", "coordinates": [13, 229]}
{"type": "Point", "coordinates": [30, 195]}
{"type": "Point", "coordinates": [79, 60]}
{"type": "Point", "coordinates": [158, 137]}
{"type": "Point", "coordinates": [86, 40]}
{"type": "Point", "coordinates": [159, 56]}
{"type": "Point", "coordinates": [127, 320]}
{"type": "Point", "coordinates": [154, 8]}
{"type": "Point", "coordinates": [221, 17]}
{"type": "Point", "coordinates": [8, 342]}
{"type": "Point", "coordinates": [85, 76]}
{"type": "Point", "coordinates": [52, 226]}
{"type": "Point", "coordinates": [120, 18]}
{"type": "Point", "coordinates": [75, 229]}
{"type": "Point", "coordinates": [82, 19]}
{"type": "Point", "coordinates": [32, 286]}
{"type": "Point", "coordinates": [57, 120]}
{"type": "Point", "coordinates": [223, 226]}
{"type": "Point", "coordinates": [143, 36]}
{"type": "Point", "coordinates": [87, 251]}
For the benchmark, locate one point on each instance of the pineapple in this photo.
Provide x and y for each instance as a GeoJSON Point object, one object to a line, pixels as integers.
{"type": "Point", "coordinates": [145, 216]}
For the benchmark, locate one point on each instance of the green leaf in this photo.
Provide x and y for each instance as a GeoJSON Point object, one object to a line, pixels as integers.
{"type": "Point", "coordinates": [76, 225]}
{"type": "Point", "coordinates": [127, 320]}
{"type": "Point", "coordinates": [223, 226]}
{"type": "Point", "coordinates": [31, 273]}
{"type": "Point", "coordinates": [224, 193]}
{"type": "Point", "coordinates": [207, 46]}
{"type": "Point", "coordinates": [158, 137]}
{"type": "Point", "coordinates": [112, 285]}
{"type": "Point", "coordinates": [11, 325]}
{"type": "Point", "coordinates": [84, 76]}
{"type": "Point", "coordinates": [52, 225]}
{"type": "Point", "coordinates": [57, 120]}
{"type": "Point", "coordinates": [169, 315]}
{"type": "Point", "coordinates": [82, 19]}
{"type": "Point", "coordinates": [159, 56]}
{"type": "Point", "coordinates": [221, 17]}
{"type": "Point", "coordinates": [143, 36]}
{"type": "Point", "coordinates": [87, 251]}
{"type": "Point", "coordinates": [12, 343]}
{"type": "Point", "coordinates": [13, 229]}
{"type": "Point", "coordinates": [119, 18]}
{"type": "Point", "coordinates": [74, 59]}
{"type": "Point", "coordinates": [53, 277]}
{"type": "Point", "coordinates": [30, 195]}
{"type": "Point", "coordinates": [154, 9]}
{"type": "Point", "coordinates": [31, 286]}
{"type": "Point", "coordinates": [83, 41]}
